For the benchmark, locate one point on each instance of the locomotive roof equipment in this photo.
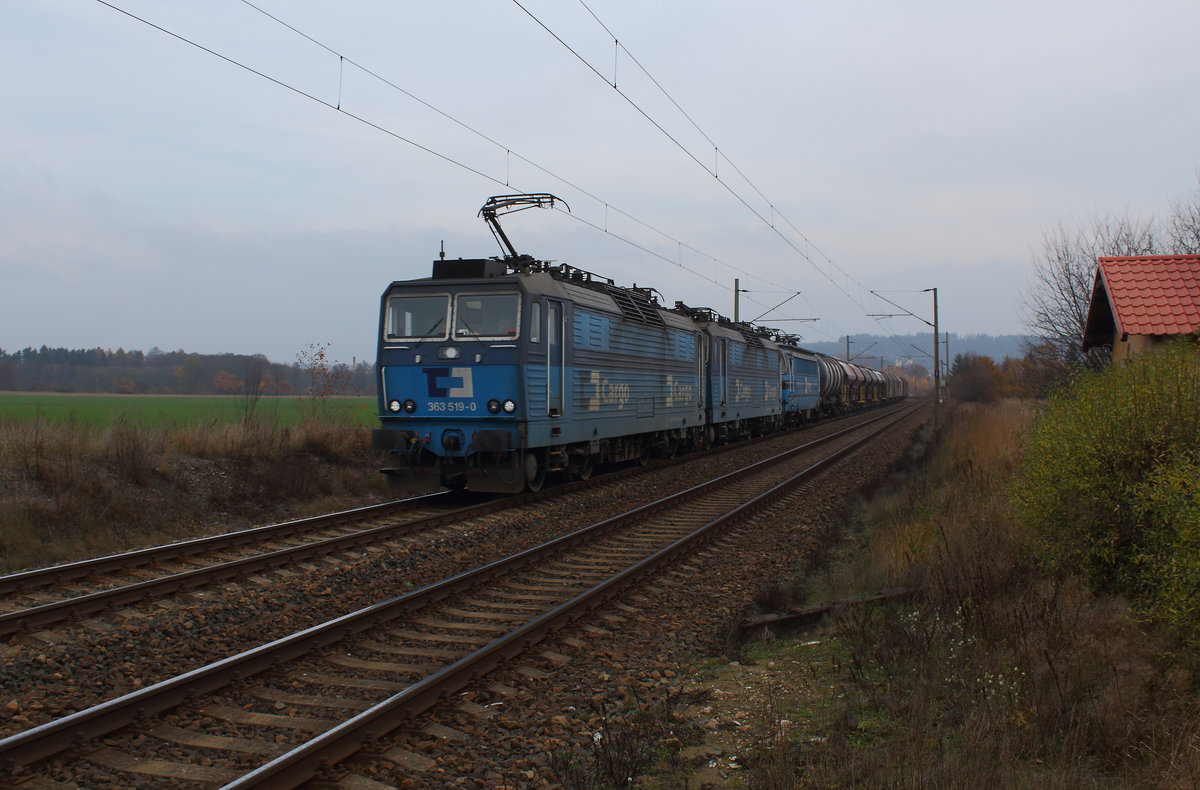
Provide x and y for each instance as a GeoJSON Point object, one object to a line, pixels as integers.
{"type": "Point", "coordinates": [498, 205]}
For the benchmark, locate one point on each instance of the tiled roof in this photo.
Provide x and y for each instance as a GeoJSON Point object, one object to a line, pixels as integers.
{"type": "Point", "coordinates": [1153, 294]}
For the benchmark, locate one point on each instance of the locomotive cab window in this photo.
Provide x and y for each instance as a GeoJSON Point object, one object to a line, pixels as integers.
{"type": "Point", "coordinates": [488, 316]}
{"type": "Point", "coordinates": [417, 317]}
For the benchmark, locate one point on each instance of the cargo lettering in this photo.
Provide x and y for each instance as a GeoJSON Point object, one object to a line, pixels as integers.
{"type": "Point", "coordinates": [740, 391]}
{"type": "Point", "coordinates": [606, 393]}
{"type": "Point", "coordinates": [679, 393]}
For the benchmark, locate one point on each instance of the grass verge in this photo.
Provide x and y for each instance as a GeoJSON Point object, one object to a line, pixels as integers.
{"type": "Point", "coordinates": [996, 674]}
{"type": "Point", "coordinates": [70, 490]}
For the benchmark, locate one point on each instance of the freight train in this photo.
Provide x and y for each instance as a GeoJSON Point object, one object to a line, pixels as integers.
{"type": "Point", "coordinates": [493, 373]}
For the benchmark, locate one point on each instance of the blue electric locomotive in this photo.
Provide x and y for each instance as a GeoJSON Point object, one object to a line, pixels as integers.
{"type": "Point", "coordinates": [489, 378]}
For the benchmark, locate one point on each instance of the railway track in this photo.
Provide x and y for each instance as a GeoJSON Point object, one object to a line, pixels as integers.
{"type": "Point", "coordinates": [358, 676]}
{"type": "Point", "coordinates": [36, 599]}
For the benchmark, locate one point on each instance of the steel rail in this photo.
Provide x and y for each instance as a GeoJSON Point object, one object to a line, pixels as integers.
{"type": "Point", "coordinates": [43, 577]}
{"type": "Point", "coordinates": [297, 766]}
{"type": "Point", "coordinates": [55, 736]}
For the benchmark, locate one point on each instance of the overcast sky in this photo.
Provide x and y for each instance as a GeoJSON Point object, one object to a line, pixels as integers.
{"type": "Point", "coordinates": [154, 194]}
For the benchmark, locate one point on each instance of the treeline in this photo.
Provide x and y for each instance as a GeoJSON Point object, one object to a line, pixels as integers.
{"type": "Point", "coordinates": [980, 379]}
{"type": "Point", "coordinates": [157, 372]}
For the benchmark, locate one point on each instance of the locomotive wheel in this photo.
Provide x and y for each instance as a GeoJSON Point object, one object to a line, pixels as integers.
{"type": "Point", "coordinates": [535, 472]}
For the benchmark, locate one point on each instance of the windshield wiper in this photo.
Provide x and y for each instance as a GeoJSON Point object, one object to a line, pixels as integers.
{"type": "Point", "coordinates": [430, 330]}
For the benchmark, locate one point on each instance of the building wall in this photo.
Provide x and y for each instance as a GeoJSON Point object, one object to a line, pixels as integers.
{"type": "Point", "coordinates": [1132, 345]}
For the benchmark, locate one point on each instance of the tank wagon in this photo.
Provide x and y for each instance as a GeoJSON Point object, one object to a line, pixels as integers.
{"type": "Point", "coordinates": [494, 372]}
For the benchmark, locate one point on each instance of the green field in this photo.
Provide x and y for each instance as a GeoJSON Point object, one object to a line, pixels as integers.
{"type": "Point", "coordinates": [178, 410]}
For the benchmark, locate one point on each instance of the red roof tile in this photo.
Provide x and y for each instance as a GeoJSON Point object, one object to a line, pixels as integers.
{"type": "Point", "coordinates": [1154, 295]}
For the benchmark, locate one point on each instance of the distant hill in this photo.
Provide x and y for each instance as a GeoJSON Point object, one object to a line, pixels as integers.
{"type": "Point", "coordinates": [868, 348]}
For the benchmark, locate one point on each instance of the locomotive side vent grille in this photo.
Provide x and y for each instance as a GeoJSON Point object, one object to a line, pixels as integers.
{"type": "Point", "coordinates": [636, 308]}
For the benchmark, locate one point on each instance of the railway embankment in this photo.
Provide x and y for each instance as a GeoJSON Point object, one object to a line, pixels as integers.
{"type": "Point", "coordinates": [1028, 656]}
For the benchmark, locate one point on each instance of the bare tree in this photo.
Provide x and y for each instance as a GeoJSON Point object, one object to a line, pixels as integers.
{"type": "Point", "coordinates": [1184, 226]}
{"type": "Point", "coordinates": [257, 369]}
{"type": "Point", "coordinates": [1056, 303]}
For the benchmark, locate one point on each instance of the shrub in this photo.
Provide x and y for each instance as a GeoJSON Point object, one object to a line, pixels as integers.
{"type": "Point", "coordinates": [1104, 489]}
{"type": "Point", "coordinates": [1168, 566]}
{"type": "Point", "coordinates": [975, 379]}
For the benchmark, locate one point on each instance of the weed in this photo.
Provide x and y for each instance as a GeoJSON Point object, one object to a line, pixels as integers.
{"type": "Point", "coordinates": [627, 743]}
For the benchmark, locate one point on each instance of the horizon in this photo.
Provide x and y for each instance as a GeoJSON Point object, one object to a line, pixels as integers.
{"type": "Point", "coordinates": [155, 350]}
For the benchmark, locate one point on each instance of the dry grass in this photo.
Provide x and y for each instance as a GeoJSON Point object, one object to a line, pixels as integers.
{"type": "Point", "coordinates": [997, 674]}
{"type": "Point", "coordinates": [69, 490]}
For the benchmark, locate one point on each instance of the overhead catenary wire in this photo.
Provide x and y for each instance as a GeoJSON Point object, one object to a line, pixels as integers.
{"type": "Point", "coordinates": [711, 171]}
{"type": "Point", "coordinates": [510, 153]}
{"type": "Point", "coordinates": [505, 182]}
{"type": "Point", "coordinates": [339, 107]}
{"type": "Point", "coordinates": [486, 137]}
{"type": "Point", "coordinates": [294, 89]}
{"type": "Point", "coordinates": [718, 155]}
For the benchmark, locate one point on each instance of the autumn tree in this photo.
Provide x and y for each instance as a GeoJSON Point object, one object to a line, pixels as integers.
{"type": "Point", "coordinates": [188, 374]}
{"type": "Point", "coordinates": [974, 378]}
{"type": "Point", "coordinates": [225, 382]}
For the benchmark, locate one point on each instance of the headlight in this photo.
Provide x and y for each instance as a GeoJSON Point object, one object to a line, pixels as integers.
{"type": "Point", "coordinates": [410, 405]}
{"type": "Point", "coordinates": [510, 406]}
{"type": "Point", "coordinates": [393, 405]}
{"type": "Point", "coordinates": [449, 352]}
{"type": "Point", "coordinates": [494, 406]}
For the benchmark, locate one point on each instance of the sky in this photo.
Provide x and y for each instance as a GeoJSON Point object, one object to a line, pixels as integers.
{"type": "Point", "coordinates": [221, 177]}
